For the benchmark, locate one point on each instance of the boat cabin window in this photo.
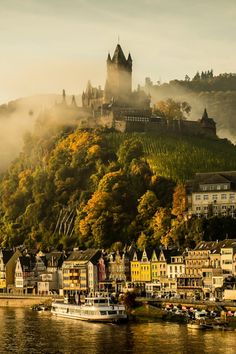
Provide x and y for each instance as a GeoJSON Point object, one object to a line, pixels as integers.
{"type": "Point", "coordinates": [100, 301]}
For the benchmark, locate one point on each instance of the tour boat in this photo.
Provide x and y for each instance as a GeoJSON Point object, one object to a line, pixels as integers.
{"type": "Point", "coordinates": [97, 308]}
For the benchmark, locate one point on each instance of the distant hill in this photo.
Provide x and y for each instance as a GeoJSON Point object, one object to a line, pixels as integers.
{"type": "Point", "coordinates": [216, 93]}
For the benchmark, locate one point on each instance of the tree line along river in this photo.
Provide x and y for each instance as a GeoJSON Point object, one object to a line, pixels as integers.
{"type": "Point", "coordinates": [25, 331]}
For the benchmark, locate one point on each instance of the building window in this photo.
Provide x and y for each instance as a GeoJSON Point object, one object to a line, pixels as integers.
{"type": "Point", "coordinates": [205, 197]}
{"type": "Point", "coordinates": [214, 196]}
{"type": "Point", "coordinates": [223, 196]}
{"type": "Point", "coordinates": [232, 196]}
{"type": "Point", "coordinates": [197, 197]}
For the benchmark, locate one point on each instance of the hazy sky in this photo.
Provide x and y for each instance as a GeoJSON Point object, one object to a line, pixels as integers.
{"type": "Point", "coordinates": [47, 45]}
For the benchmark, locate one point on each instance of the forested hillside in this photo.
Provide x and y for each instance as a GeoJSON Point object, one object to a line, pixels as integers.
{"type": "Point", "coordinates": [104, 189]}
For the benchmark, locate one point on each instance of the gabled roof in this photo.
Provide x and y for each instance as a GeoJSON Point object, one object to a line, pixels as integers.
{"type": "Point", "coordinates": [211, 178]}
{"type": "Point", "coordinates": [27, 261]}
{"type": "Point", "coordinates": [148, 252]}
{"type": "Point", "coordinates": [84, 256]}
{"type": "Point", "coordinates": [206, 245]}
{"type": "Point", "coordinates": [139, 255]}
{"type": "Point", "coordinates": [228, 243]}
{"type": "Point", "coordinates": [56, 258]}
{"type": "Point", "coordinates": [170, 253]}
{"type": "Point", "coordinates": [216, 178]}
{"type": "Point", "coordinates": [157, 252]}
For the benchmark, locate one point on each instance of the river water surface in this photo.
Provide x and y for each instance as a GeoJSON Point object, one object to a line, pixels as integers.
{"type": "Point", "coordinates": [26, 331]}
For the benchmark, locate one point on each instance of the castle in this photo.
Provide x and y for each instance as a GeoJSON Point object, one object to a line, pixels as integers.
{"type": "Point", "coordinates": [125, 110]}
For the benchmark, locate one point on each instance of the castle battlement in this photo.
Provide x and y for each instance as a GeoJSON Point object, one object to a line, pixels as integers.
{"type": "Point", "coordinates": [119, 107]}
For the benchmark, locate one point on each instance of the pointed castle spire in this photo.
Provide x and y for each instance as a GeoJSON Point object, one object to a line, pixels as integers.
{"type": "Point", "coordinates": [118, 56]}
{"type": "Point", "coordinates": [205, 114]}
{"type": "Point", "coordinates": [109, 58]}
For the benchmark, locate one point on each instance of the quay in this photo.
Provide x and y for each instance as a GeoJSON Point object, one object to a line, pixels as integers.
{"type": "Point", "coordinates": [217, 305]}
{"type": "Point", "coordinates": [9, 300]}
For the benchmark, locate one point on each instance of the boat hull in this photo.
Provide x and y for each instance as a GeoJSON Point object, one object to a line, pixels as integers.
{"type": "Point", "coordinates": [114, 314]}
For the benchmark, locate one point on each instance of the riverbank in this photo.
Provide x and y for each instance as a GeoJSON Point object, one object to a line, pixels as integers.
{"type": "Point", "coordinates": [149, 313]}
{"type": "Point", "coordinates": [24, 300]}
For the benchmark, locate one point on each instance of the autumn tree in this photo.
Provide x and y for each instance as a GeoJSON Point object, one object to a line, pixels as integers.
{"type": "Point", "coordinates": [179, 201]}
{"type": "Point", "coordinates": [171, 109]}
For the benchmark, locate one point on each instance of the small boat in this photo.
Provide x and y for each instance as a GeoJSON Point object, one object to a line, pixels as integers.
{"type": "Point", "coordinates": [222, 327]}
{"type": "Point", "coordinates": [199, 325]}
{"type": "Point", "coordinates": [97, 308]}
{"type": "Point", "coordinates": [195, 325]}
{"type": "Point", "coordinates": [40, 307]}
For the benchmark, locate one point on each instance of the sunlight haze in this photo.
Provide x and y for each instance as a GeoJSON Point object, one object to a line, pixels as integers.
{"type": "Point", "coordinates": [50, 45]}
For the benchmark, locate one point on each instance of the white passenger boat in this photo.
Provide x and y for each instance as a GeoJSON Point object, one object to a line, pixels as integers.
{"type": "Point", "coordinates": [98, 308]}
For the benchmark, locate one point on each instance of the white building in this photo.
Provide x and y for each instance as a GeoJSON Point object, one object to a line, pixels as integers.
{"type": "Point", "coordinates": [228, 251]}
{"type": "Point", "coordinates": [176, 267]}
{"type": "Point", "coordinates": [212, 194]}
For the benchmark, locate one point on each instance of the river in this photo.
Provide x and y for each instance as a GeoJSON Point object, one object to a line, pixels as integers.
{"type": "Point", "coordinates": [26, 331]}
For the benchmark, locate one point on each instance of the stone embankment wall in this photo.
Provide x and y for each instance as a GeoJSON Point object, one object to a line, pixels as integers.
{"type": "Point", "coordinates": [23, 301]}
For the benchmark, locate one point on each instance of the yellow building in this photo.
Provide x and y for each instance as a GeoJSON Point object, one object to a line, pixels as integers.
{"type": "Point", "coordinates": [141, 267]}
{"type": "Point", "coordinates": [145, 267]}
{"type": "Point", "coordinates": [135, 267]}
{"type": "Point", "coordinates": [155, 266]}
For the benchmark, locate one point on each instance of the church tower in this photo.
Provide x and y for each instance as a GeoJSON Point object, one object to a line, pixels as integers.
{"type": "Point", "coordinates": [118, 86]}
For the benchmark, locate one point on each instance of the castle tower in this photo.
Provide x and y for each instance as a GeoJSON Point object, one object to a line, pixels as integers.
{"type": "Point", "coordinates": [119, 77]}
{"type": "Point", "coordinates": [208, 124]}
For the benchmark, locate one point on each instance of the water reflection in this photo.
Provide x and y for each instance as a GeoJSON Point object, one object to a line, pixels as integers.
{"type": "Point", "coordinates": [25, 331]}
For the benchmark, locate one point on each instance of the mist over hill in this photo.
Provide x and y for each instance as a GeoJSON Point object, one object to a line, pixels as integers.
{"type": "Point", "coordinates": [216, 93]}
{"type": "Point", "coordinates": [18, 118]}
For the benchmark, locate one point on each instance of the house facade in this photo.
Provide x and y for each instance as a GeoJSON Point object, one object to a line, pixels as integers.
{"type": "Point", "coordinates": [80, 272]}
{"type": "Point", "coordinates": [212, 194]}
